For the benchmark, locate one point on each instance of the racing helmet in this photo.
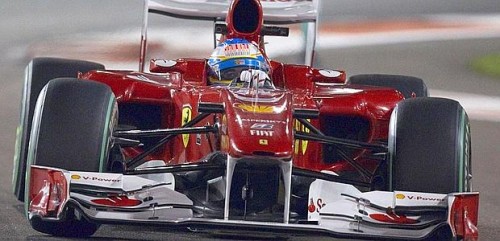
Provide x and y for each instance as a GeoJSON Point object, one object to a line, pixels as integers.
{"type": "Point", "coordinates": [233, 56]}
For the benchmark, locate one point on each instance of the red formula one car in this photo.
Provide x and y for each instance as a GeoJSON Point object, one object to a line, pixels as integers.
{"type": "Point", "coordinates": [238, 142]}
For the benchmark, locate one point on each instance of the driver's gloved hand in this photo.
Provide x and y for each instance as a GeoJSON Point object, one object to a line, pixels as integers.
{"type": "Point", "coordinates": [255, 77]}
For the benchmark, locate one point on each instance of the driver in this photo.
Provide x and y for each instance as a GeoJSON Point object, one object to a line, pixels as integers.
{"type": "Point", "coordinates": [238, 63]}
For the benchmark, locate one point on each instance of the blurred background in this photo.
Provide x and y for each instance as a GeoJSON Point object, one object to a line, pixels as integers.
{"type": "Point", "coordinates": [453, 45]}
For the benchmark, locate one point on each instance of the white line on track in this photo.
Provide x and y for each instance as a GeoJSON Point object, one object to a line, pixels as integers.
{"type": "Point", "coordinates": [478, 107]}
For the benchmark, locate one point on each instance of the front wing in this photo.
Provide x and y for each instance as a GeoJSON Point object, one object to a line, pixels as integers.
{"type": "Point", "coordinates": [335, 209]}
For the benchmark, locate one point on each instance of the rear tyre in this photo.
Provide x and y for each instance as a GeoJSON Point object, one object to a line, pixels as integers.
{"type": "Point", "coordinates": [429, 147]}
{"type": "Point", "coordinates": [38, 73]}
{"type": "Point", "coordinates": [408, 86]}
{"type": "Point", "coordinates": [72, 127]}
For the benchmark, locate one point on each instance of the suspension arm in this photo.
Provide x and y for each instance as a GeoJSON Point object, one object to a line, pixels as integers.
{"type": "Point", "coordinates": [139, 159]}
{"type": "Point", "coordinates": [339, 141]}
{"type": "Point", "coordinates": [133, 134]}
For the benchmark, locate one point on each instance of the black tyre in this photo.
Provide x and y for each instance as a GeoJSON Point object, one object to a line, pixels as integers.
{"type": "Point", "coordinates": [429, 146]}
{"type": "Point", "coordinates": [38, 73]}
{"type": "Point", "coordinates": [408, 86]}
{"type": "Point", "coordinates": [71, 227]}
{"type": "Point", "coordinates": [72, 127]}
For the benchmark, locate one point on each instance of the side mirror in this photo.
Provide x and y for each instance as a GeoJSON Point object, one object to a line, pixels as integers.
{"type": "Point", "coordinates": [163, 66]}
{"type": "Point", "coordinates": [328, 76]}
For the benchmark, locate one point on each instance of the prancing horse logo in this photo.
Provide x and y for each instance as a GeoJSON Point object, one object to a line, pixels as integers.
{"type": "Point", "coordinates": [186, 117]}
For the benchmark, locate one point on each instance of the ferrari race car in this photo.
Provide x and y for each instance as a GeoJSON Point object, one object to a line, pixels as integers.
{"type": "Point", "coordinates": [240, 143]}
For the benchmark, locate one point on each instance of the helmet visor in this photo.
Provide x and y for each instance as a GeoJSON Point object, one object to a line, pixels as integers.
{"type": "Point", "coordinates": [232, 68]}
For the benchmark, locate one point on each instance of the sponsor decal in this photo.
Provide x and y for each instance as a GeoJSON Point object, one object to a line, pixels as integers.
{"type": "Point", "coordinates": [186, 117]}
{"type": "Point", "coordinates": [261, 129]}
{"type": "Point", "coordinates": [239, 62]}
{"type": "Point", "coordinates": [311, 208]}
{"type": "Point", "coordinates": [419, 199]}
{"type": "Point", "coordinates": [422, 198]}
{"type": "Point", "coordinates": [97, 179]}
{"type": "Point", "coordinates": [263, 109]}
{"type": "Point", "coordinates": [400, 196]}
{"type": "Point", "coordinates": [263, 121]}
{"type": "Point", "coordinates": [315, 207]}
{"type": "Point", "coordinates": [320, 204]}
{"type": "Point", "coordinates": [240, 49]}
{"type": "Point", "coordinates": [301, 144]}
{"type": "Point", "coordinates": [262, 126]}
{"type": "Point", "coordinates": [261, 133]}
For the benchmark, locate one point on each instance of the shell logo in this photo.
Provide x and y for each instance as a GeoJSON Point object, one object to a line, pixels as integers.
{"type": "Point", "coordinates": [400, 196]}
{"type": "Point", "coordinates": [75, 177]}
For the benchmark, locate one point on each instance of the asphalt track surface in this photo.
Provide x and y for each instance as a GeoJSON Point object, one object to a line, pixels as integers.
{"type": "Point", "coordinates": [443, 64]}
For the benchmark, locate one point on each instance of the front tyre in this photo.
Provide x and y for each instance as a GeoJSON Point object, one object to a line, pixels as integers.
{"type": "Point", "coordinates": [430, 146]}
{"type": "Point", "coordinates": [38, 73]}
{"type": "Point", "coordinates": [72, 127]}
{"type": "Point", "coordinates": [72, 226]}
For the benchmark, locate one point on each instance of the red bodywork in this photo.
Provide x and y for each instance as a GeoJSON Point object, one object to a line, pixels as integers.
{"type": "Point", "coordinates": [254, 123]}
